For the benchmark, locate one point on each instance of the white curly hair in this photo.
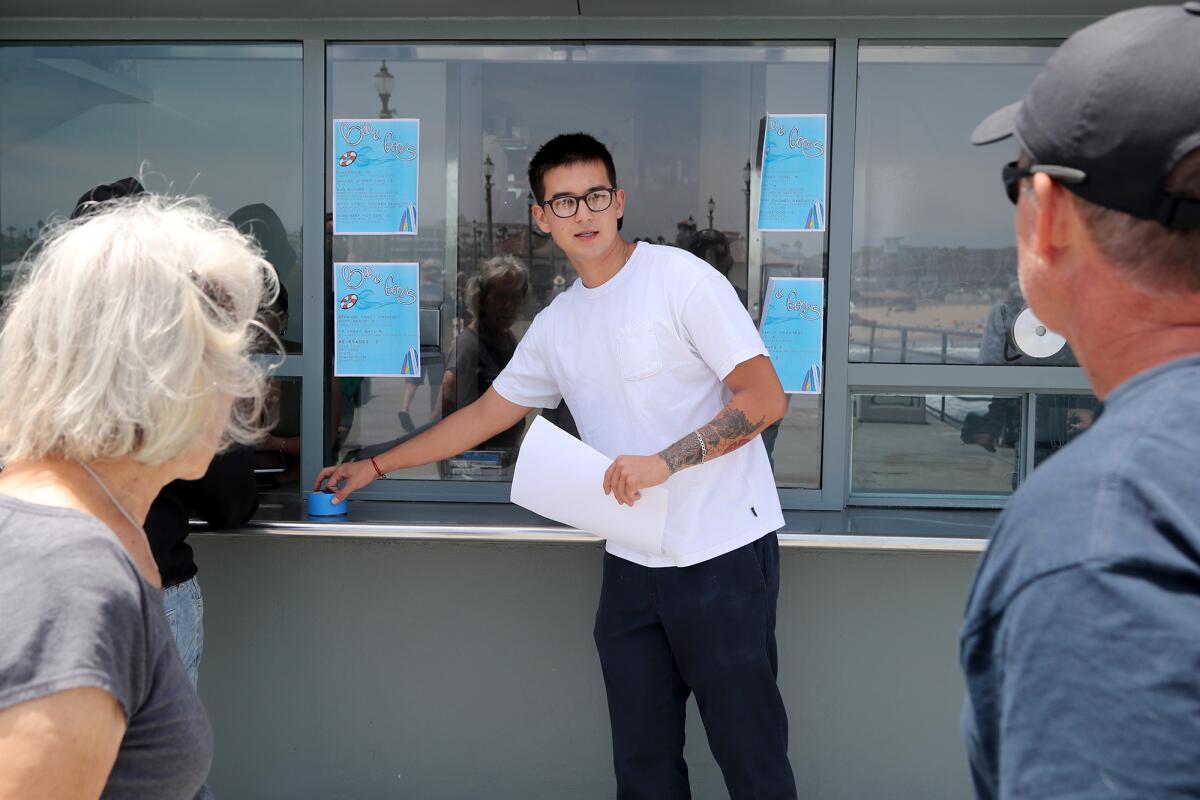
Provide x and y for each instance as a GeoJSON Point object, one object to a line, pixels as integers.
{"type": "Point", "coordinates": [129, 330]}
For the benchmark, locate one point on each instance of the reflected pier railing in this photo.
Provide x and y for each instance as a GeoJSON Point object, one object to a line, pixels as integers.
{"type": "Point", "coordinates": [948, 352]}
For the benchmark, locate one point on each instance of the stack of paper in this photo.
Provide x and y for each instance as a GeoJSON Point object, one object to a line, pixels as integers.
{"type": "Point", "coordinates": [562, 478]}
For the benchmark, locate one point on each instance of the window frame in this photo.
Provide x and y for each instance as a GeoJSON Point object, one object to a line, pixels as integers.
{"type": "Point", "coordinates": [842, 378]}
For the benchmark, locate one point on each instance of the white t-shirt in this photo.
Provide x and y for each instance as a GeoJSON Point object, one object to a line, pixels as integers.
{"type": "Point", "coordinates": [640, 360]}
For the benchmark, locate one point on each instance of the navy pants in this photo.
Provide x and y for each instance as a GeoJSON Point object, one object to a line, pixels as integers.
{"type": "Point", "coordinates": [708, 629]}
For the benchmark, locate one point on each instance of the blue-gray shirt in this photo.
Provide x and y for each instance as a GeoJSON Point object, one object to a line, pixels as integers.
{"type": "Point", "coordinates": [1081, 644]}
{"type": "Point", "coordinates": [75, 612]}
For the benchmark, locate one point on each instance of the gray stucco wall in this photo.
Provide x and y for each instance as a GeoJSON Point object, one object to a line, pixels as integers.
{"type": "Point", "coordinates": [391, 669]}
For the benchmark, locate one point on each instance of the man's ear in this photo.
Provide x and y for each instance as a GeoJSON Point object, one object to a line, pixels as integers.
{"type": "Point", "coordinates": [539, 216]}
{"type": "Point", "coordinates": [1056, 219]}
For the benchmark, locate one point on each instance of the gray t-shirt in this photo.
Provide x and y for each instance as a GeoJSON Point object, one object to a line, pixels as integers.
{"type": "Point", "coordinates": [75, 612]}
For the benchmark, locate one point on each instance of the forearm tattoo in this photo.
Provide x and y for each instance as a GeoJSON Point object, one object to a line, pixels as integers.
{"type": "Point", "coordinates": [728, 431]}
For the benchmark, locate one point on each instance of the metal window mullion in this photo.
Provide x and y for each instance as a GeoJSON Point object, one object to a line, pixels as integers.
{"type": "Point", "coordinates": [900, 499]}
{"type": "Point", "coordinates": [795, 498]}
{"type": "Point", "coordinates": [450, 259]}
{"type": "Point", "coordinates": [312, 387]}
{"type": "Point", "coordinates": [566, 27]}
{"type": "Point", "coordinates": [1028, 435]}
{"type": "Point", "coordinates": [878, 377]}
{"type": "Point", "coordinates": [835, 444]}
{"type": "Point", "coordinates": [754, 237]}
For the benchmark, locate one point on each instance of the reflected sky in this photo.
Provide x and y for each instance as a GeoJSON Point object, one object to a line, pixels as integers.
{"type": "Point", "coordinates": [217, 120]}
{"type": "Point", "coordinates": [681, 122]}
{"type": "Point", "coordinates": [917, 177]}
{"type": "Point", "coordinates": [933, 272]}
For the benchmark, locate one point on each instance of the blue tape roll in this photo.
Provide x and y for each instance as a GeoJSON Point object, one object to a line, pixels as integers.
{"type": "Point", "coordinates": [320, 504]}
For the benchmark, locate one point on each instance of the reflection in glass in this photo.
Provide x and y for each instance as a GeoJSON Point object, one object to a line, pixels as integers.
{"type": "Point", "coordinates": [277, 456]}
{"type": "Point", "coordinates": [999, 344]}
{"type": "Point", "coordinates": [496, 297]}
{"type": "Point", "coordinates": [793, 443]}
{"type": "Point", "coordinates": [1058, 420]}
{"type": "Point", "coordinates": [934, 259]}
{"type": "Point", "coordinates": [260, 222]}
{"type": "Point", "coordinates": [219, 120]}
{"type": "Point", "coordinates": [935, 444]}
{"type": "Point", "coordinates": [683, 125]}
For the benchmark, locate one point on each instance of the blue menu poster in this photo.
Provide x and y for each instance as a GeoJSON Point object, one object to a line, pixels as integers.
{"type": "Point", "coordinates": [376, 320]}
{"type": "Point", "coordinates": [792, 192]}
{"type": "Point", "coordinates": [793, 329]}
{"type": "Point", "coordinates": [375, 166]}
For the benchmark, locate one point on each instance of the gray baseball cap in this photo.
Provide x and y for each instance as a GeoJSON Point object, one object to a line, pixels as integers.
{"type": "Point", "coordinates": [1115, 110]}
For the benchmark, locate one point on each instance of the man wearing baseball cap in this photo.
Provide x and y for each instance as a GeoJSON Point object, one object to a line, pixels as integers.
{"type": "Point", "coordinates": [1081, 643]}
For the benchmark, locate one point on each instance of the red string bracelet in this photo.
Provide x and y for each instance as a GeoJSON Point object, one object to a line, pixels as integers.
{"type": "Point", "coordinates": [378, 471]}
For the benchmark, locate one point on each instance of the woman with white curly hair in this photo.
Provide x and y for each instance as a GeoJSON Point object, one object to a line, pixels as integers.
{"type": "Point", "coordinates": [123, 365]}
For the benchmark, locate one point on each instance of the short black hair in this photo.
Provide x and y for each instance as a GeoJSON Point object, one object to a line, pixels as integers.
{"type": "Point", "coordinates": [564, 150]}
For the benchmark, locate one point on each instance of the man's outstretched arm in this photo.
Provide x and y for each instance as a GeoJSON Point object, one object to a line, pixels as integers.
{"type": "Point", "coordinates": [462, 430]}
{"type": "Point", "coordinates": [758, 401]}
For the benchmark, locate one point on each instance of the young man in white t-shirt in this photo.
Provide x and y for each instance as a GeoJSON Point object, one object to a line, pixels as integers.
{"type": "Point", "coordinates": [666, 374]}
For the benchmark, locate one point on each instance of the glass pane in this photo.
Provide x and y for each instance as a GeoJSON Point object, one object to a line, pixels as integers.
{"type": "Point", "coordinates": [277, 457]}
{"type": "Point", "coordinates": [217, 120]}
{"type": "Point", "coordinates": [934, 267]}
{"type": "Point", "coordinates": [793, 443]}
{"type": "Point", "coordinates": [935, 444]}
{"type": "Point", "coordinates": [682, 123]}
{"type": "Point", "coordinates": [1058, 419]}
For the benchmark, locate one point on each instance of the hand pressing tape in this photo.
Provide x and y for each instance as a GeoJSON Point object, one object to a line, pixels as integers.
{"type": "Point", "coordinates": [320, 504]}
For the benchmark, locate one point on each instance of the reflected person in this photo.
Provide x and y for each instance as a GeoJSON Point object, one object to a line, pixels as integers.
{"type": "Point", "coordinates": [1001, 425]}
{"type": "Point", "coordinates": [997, 345]}
{"type": "Point", "coordinates": [260, 222]}
{"type": "Point", "coordinates": [432, 367]}
{"type": "Point", "coordinates": [496, 297]}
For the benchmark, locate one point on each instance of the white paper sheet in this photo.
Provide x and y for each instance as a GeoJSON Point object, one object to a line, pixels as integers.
{"type": "Point", "coordinates": [562, 478]}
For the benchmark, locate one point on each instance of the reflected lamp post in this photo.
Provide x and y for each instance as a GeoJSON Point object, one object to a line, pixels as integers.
{"type": "Point", "coordinates": [384, 81]}
{"type": "Point", "coordinates": [488, 169]}
{"type": "Point", "coordinates": [746, 189]}
{"type": "Point", "coordinates": [712, 206]}
{"type": "Point", "coordinates": [529, 232]}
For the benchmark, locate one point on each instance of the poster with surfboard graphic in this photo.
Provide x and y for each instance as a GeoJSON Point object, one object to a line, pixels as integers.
{"type": "Point", "coordinates": [376, 171]}
{"type": "Point", "coordinates": [794, 158]}
{"type": "Point", "coordinates": [793, 329]}
{"type": "Point", "coordinates": [376, 320]}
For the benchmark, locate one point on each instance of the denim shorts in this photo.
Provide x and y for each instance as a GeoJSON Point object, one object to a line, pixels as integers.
{"type": "Point", "coordinates": [185, 612]}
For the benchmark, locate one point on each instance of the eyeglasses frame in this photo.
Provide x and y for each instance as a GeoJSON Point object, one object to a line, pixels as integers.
{"type": "Point", "coordinates": [610, 190]}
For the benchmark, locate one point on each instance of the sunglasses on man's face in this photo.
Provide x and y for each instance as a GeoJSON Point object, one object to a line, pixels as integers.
{"type": "Point", "coordinates": [1013, 174]}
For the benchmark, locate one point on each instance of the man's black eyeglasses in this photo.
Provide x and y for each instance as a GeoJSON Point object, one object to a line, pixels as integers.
{"type": "Point", "coordinates": [1012, 175]}
{"type": "Point", "coordinates": [597, 200]}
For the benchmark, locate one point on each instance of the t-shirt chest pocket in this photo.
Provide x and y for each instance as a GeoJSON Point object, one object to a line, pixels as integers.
{"type": "Point", "coordinates": [638, 350]}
